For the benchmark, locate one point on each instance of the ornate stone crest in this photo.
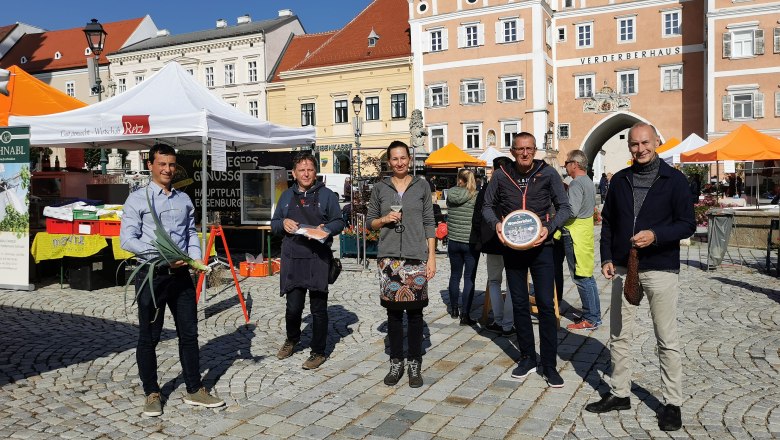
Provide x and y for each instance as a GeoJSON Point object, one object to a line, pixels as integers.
{"type": "Point", "coordinates": [606, 100]}
{"type": "Point", "coordinates": [417, 129]}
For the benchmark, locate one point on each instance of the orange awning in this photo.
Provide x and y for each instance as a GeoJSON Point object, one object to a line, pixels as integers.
{"type": "Point", "coordinates": [668, 145]}
{"type": "Point", "coordinates": [742, 144]}
{"type": "Point", "coordinates": [451, 156]}
{"type": "Point", "coordinates": [29, 96]}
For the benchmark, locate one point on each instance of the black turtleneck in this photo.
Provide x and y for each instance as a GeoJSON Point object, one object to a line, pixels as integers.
{"type": "Point", "coordinates": [644, 176]}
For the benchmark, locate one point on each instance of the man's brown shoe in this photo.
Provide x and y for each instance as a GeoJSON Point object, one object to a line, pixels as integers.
{"type": "Point", "coordinates": [314, 361]}
{"type": "Point", "coordinates": [203, 398]}
{"type": "Point", "coordinates": [287, 349]}
{"type": "Point", "coordinates": [153, 406]}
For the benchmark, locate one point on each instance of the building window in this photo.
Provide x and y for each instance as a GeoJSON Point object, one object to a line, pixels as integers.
{"type": "Point", "coordinates": [568, 3]}
{"type": "Point", "coordinates": [627, 82]}
{"type": "Point", "coordinates": [398, 105]}
{"type": "Point", "coordinates": [561, 34]}
{"type": "Point", "coordinates": [438, 38]}
{"type": "Point", "coordinates": [585, 35]}
{"type": "Point", "coordinates": [584, 86]}
{"type": "Point", "coordinates": [744, 43]}
{"type": "Point", "coordinates": [254, 109]}
{"type": "Point", "coordinates": [121, 86]}
{"type": "Point", "coordinates": [230, 74]}
{"type": "Point", "coordinates": [252, 71]}
{"type": "Point", "coordinates": [508, 31]}
{"type": "Point", "coordinates": [473, 135]}
{"type": "Point", "coordinates": [471, 35]}
{"type": "Point", "coordinates": [509, 130]}
{"type": "Point", "coordinates": [307, 114]}
{"type": "Point", "coordinates": [70, 88]}
{"type": "Point", "coordinates": [626, 29]}
{"type": "Point", "coordinates": [777, 104]}
{"type": "Point", "coordinates": [511, 89]}
{"type": "Point", "coordinates": [743, 105]}
{"type": "Point", "coordinates": [671, 78]}
{"type": "Point", "coordinates": [564, 131]}
{"type": "Point", "coordinates": [341, 111]}
{"type": "Point", "coordinates": [437, 96]}
{"type": "Point", "coordinates": [671, 23]}
{"type": "Point", "coordinates": [438, 138]}
{"type": "Point", "coordinates": [209, 76]}
{"type": "Point", "coordinates": [472, 92]}
{"type": "Point", "coordinates": [372, 108]}
{"type": "Point", "coordinates": [139, 79]}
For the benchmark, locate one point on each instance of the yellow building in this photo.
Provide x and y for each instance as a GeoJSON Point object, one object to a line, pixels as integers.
{"type": "Point", "coordinates": [319, 75]}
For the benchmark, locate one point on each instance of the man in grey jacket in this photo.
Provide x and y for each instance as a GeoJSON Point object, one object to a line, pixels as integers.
{"type": "Point", "coordinates": [532, 185]}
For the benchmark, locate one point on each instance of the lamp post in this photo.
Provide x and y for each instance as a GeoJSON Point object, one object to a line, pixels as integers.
{"type": "Point", "coordinates": [96, 38]}
{"type": "Point", "coordinates": [357, 106]}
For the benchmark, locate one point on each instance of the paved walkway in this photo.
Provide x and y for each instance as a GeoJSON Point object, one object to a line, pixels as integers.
{"type": "Point", "coordinates": [67, 368]}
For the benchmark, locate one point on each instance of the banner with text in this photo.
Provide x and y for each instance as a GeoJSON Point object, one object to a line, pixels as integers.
{"type": "Point", "coordinates": [14, 208]}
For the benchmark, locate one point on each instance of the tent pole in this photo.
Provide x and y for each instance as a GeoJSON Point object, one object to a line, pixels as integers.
{"type": "Point", "coordinates": [203, 220]}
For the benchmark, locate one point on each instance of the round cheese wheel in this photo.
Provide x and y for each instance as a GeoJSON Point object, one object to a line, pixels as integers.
{"type": "Point", "coordinates": [521, 229]}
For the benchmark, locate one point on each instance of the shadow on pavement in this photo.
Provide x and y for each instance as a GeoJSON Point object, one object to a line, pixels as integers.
{"type": "Point", "coordinates": [36, 341]}
{"type": "Point", "coordinates": [339, 320]}
{"type": "Point", "coordinates": [229, 302]}
{"type": "Point", "coordinates": [772, 294]}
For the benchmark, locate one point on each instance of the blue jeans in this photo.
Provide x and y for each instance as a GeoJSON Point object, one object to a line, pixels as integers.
{"type": "Point", "coordinates": [539, 261]}
{"type": "Point", "coordinates": [586, 286]}
{"type": "Point", "coordinates": [462, 255]}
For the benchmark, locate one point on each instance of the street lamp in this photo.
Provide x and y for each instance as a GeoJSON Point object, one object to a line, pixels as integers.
{"type": "Point", "coordinates": [357, 106]}
{"type": "Point", "coordinates": [96, 38]}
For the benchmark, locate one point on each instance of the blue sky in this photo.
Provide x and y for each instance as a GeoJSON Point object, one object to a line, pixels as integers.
{"type": "Point", "coordinates": [179, 16]}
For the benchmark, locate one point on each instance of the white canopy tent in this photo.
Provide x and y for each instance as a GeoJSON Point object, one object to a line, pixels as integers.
{"type": "Point", "coordinates": [490, 154]}
{"type": "Point", "coordinates": [169, 106]}
{"type": "Point", "coordinates": [692, 142]}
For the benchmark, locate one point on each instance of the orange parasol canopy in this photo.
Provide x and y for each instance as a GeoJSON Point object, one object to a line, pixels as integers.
{"type": "Point", "coordinates": [28, 96]}
{"type": "Point", "coordinates": [742, 144]}
{"type": "Point", "coordinates": [451, 156]}
{"type": "Point", "coordinates": [668, 145]}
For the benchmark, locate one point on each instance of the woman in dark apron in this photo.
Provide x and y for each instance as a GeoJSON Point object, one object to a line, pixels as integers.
{"type": "Point", "coordinates": [306, 261]}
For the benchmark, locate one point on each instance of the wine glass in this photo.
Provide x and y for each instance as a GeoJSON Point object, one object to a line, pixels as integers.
{"type": "Point", "coordinates": [397, 206]}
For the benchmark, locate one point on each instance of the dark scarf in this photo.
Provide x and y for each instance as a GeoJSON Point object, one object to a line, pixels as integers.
{"type": "Point", "coordinates": [644, 176]}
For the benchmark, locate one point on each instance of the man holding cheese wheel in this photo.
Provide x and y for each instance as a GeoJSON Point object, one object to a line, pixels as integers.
{"type": "Point", "coordinates": [530, 185]}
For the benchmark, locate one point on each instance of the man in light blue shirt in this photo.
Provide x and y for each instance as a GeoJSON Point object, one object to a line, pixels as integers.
{"type": "Point", "coordinates": [172, 283]}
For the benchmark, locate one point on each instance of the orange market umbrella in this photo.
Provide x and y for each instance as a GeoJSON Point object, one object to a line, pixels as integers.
{"type": "Point", "coordinates": [28, 96]}
{"type": "Point", "coordinates": [451, 156]}
{"type": "Point", "coordinates": [668, 145]}
{"type": "Point", "coordinates": [742, 144]}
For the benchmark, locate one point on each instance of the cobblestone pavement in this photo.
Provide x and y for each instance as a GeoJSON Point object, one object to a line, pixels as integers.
{"type": "Point", "coordinates": [67, 368]}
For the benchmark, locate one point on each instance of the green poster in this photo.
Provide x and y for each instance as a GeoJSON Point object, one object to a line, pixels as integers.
{"type": "Point", "coordinates": [15, 207]}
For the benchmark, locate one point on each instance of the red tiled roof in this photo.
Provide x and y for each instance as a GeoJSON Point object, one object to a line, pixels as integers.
{"type": "Point", "coordinates": [39, 49]}
{"type": "Point", "coordinates": [299, 48]}
{"type": "Point", "coordinates": [5, 30]}
{"type": "Point", "coordinates": [388, 18]}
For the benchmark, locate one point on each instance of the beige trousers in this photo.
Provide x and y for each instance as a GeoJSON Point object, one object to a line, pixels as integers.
{"type": "Point", "coordinates": [661, 290]}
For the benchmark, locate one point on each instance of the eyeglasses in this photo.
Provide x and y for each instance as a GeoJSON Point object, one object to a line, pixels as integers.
{"type": "Point", "coordinates": [569, 161]}
{"type": "Point", "coordinates": [525, 149]}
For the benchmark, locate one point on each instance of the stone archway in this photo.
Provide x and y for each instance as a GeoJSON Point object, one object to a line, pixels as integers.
{"type": "Point", "coordinates": [606, 150]}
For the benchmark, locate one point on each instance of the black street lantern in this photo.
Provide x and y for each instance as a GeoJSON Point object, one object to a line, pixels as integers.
{"type": "Point", "coordinates": [96, 36]}
{"type": "Point", "coordinates": [357, 104]}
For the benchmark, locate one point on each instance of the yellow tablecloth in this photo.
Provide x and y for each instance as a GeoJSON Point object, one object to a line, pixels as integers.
{"type": "Point", "coordinates": [47, 246]}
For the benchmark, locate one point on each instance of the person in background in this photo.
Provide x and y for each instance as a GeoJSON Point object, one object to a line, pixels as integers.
{"type": "Point", "coordinates": [648, 208]}
{"type": "Point", "coordinates": [579, 241]}
{"type": "Point", "coordinates": [172, 283]}
{"type": "Point", "coordinates": [305, 261]}
{"type": "Point", "coordinates": [491, 246]}
{"type": "Point", "coordinates": [461, 246]}
{"type": "Point", "coordinates": [603, 184]}
{"type": "Point", "coordinates": [400, 208]}
{"type": "Point", "coordinates": [531, 185]}
{"type": "Point", "coordinates": [694, 184]}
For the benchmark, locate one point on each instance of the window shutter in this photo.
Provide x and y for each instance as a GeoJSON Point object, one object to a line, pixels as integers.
{"type": "Point", "coordinates": [500, 92]}
{"type": "Point", "coordinates": [481, 91]}
{"type": "Point", "coordinates": [426, 42]}
{"type": "Point", "coordinates": [758, 36]}
{"type": "Point", "coordinates": [499, 32]}
{"type": "Point", "coordinates": [667, 79]}
{"type": "Point", "coordinates": [461, 36]}
{"type": "Point", "coordinates": [520, 30]}
{"type": "Point", "coordinates": [777, 104]}
{"type": "Point", "coordinates": [462, 93]}
{"type": "Point", "coordinates": [777, 40]}
{"type": "Point", "coordinates": [726, 104]}
{"type": "Point", "coordinates": [521, 87]}
{"type": "Point", "coordinates": [427, 97]}
{"type": "Point", "coordinates": [758, 105]}
{"type": "Point", "coordinates": [727, 45]}
{"type": "Point", "coordinates": [480, 34]}
{"type": "Point", "coordinates": [444, 39]}
{"type": "Point", "coordinates": [446, 95]}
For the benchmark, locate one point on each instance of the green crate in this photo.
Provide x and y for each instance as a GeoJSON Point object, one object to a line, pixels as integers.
{"type": "Point", "coordinates": [79, 214]}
